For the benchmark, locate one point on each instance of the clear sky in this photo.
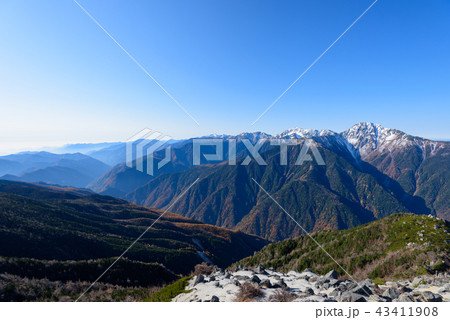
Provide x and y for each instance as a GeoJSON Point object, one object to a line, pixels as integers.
{"type": "Point", "coordinates": [62, 80]}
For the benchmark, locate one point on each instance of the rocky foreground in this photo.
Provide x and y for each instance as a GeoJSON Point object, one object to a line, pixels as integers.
{"type": "Point", "coordinates": [269, 285]}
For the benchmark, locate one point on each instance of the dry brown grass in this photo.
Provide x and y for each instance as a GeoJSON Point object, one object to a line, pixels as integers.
{"type": "Point", "coordinates": [248, 292]}
{"type": "Point", "coordinates": [203, 268]}
{"type": "Point", "coordinates": [282, 295]}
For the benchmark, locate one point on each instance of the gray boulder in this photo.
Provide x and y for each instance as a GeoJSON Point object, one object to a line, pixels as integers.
{"type": "Point", "coordinates": [334, 282]}
{"type": "Point", "coordinates": [199, 279]}
{"type": "Point", "coordinates": [362, 290]}
{"type": "Point", "coordinates": [335, 293]}
{"type": "Point", "coordinates": [260, 269]}
{"type": "Point", "coordinates": [416, 281]}
{"type": "Point", "coordinates": [350, 284]}
{"type": "Point", "coordinates": [405, 297]}
{"type": "Point", "coordinates": [241, 278]}
{"type": "Point", "coordinates": [265, 283]}
{"type": "Point", "coordinates": [431, 297]}
{"type": "Point", "coordinates": [367, 283]}
{"type": "Point", "coordinates": [391, 293]}
{"type": "Point", "coordinates": [332, 274]}
{"type": "Point", "coordinates": [352, 297]}
{"type": "Point", "coordinates": [309, 291]}
{"type": "Point", "coordinates": [214, 299]}
{"type": "Point", "coordinates": [255, 279]}
{"type": "Point", "coordinates": [279, 284]}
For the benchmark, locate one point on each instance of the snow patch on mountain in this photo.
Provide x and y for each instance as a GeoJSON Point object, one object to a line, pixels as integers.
{"type": "Point", "coordinates": [367, 137]}
{"type": "Point", "coordinates": [299, 133]}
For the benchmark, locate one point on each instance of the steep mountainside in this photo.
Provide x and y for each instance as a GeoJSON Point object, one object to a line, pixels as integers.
{"type": "Point", "coordinates": [420, 166]}
{"type": "Point", "coordinates": [400, 246]}
{"type": "Point", "coordinates": [338, 195]}
{"type": "Point", "coordinates": [57, 224]}
{"type": "Point", "coordinates": [370, 172]}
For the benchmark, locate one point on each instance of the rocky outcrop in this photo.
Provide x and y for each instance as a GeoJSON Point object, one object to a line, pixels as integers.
{"type": "Point", "coordinates": [308, 286]}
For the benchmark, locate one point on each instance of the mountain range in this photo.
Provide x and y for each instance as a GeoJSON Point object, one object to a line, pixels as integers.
{"type": "Point", "coordinates": [370, 172]}
{"type": "Point", "coordinates": [72, 169]}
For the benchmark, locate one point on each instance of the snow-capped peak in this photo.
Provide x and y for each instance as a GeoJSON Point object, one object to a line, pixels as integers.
{"type": "Point", "coordinates": [367, 136]}
{"type": "Point", "coordinates": [298, 133]}
{"type": "Point", "coordinates": [253, 136]}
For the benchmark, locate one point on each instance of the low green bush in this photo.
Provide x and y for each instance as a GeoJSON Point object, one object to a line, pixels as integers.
{"type": "Point", "coordinates": [169, 292]}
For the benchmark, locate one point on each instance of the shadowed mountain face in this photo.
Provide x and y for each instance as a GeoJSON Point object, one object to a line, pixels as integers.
{"type": "Point", "coordinates": [50, 223]}
{"type": "Point", "coordinates": [370, 172]}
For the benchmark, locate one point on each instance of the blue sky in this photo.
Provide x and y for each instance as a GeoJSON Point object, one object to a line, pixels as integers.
{"type": "Point", "coordinates": [62, 80]}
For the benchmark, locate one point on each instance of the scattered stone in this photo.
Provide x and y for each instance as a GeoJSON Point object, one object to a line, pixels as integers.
{"type": "Point", "coordinates": [447, 287]}
{"type": "Point", "coordinates": [404, 289]}
{"type": "Point", "coordinates": [309, 291]}
{"type": "Point", "coordinates": [405, 297]}
{"type": "Point", "coordinates": [332, 274]}
{"type": "Point", "coordinates": [431, 297]}
{"type": "Point", "coordinates": [309, 270]}
{"type": "Point", "coordinates": [279, 284]}
{"type": "Point", "coordinates": [350, 284]}
{"type": "Point", "coordinates": [362, 290]}
{"type": "Point", "coordinates": [391, 293]}
{"type": "Point", "coordinates": [260, 269]}
{"type": "Point", "coordinates": [369, 283]}
{"type": "Point", "coordinates": [310, 287]}
{"type": "Point", "coordinates": [266, 283]}
{"type": "Point", "coordinates": [255, 279]}
{"type": "Point", "coordinates": [352, 297]}
{"type": "Point", "coordinates": [199, 279]}
{"type": "Point", "coordinates": [334, 282]}
{"type": "Point", "coordinates": [335, 293]}
{"type": "Point", "coordinates": [377, 298]}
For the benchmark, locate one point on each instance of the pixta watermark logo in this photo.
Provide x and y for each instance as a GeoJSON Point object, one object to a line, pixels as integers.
{"type": "Point", "coordinates": [141, 149]}
{"type": "Point", "coordinates": [253, 150]}
{"type": "Point", "coordinates": [142, 146]}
